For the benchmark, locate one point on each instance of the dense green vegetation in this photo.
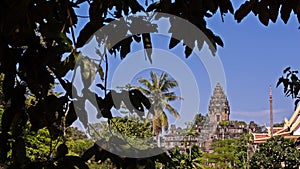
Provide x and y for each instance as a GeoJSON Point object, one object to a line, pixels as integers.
{"type": "Point", "coordinates": [277, 152]}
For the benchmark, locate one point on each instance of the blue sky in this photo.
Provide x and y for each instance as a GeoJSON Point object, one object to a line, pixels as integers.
{"type": "Point", "coordinates": [253, 58]}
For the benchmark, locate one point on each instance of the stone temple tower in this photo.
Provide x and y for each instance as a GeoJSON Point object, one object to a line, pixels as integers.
{"type": "Point", "coordinates": [218, 109]}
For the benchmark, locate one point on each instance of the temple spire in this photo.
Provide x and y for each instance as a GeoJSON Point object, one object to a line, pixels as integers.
{"type": "Point", "coordinates": [218, 109]}
{"type": "Point", "coordinates": [271, 112]}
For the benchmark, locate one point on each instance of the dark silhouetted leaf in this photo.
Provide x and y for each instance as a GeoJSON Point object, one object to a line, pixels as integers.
{"type": "Point", "coordinates": [264, 16]}
{"type": "Point", "coordinates": [86, 32]}
{"type": "Point", "coordinates": [62, 151]}
{"type": "Point", "coordinates": [274, 10]}
{"type": "Point", "coordinates": [100, 71]}
{"type": "Point", "coordinates": [71, 116]}
{"type": "Point", "coordinates": [100, 86]}
{"type": "Point", "coordinates": [137, 38]}
{"type": "Point", "coordinates": [173, 43]}
{"type": "Point", "coordinates": [135, 6]}
{"type": "Point", "coordinates": [187, 51]}
{"type": "Point", "coordinates": [286, 10]}
{"type": "Point", "coordinates": [81, 112]}
{"type": "Point", "coordinates": [125, 47]}
{"type": "Point", "coordinates": [7, 118]}
{"type": "Point", "coordinates": [143, 99]}
{"type": "Point", "coordinates": [244, 10]}
{"type": "Point", "coordinates": [211, 5]}
{"type": "Point", "coordinates": [147, 45]}
{"type": "Point", "coordinates": [296, 104]}
{"type": "Point", "coordinates": [89, 153]}
{"type": "Point", "coordinates": [18, 152]}
{"type": "Point", "coordinates": [225, 6]}
{"type": "Point", "coordinates": [286, 69]}
{"type": "Point", "coordinates": [280, 80]}
{"type": "Point", "coordinates": [104, 105]}
{"type": "Point", "coordinates": [219, 41]}
{"type": "Point", "coordinates": [4, 148]}
{"type": "Point", "coordinates": [8, 85]}
{"type": "Point", "coordinates": [153, 7]}
{"type": "Point", "coordinates": [72, 162]}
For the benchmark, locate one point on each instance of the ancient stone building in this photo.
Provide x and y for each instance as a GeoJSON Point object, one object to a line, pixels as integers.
{"type": "Point", "coordinates": [218, 109]}
{"type": "Point", "coordinates": [218, 126]}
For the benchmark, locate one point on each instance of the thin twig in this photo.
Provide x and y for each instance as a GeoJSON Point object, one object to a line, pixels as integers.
{"type": "Point", "coordinates": [72, 30]}
{"type": "Point", "coordinates": [106, 72]}
{"type": "Point", "coordinates": [106, 65]}
{"type": "Point", "coordinates": [81, 16]}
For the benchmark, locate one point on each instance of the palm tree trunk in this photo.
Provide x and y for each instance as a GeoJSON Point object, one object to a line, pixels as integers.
{"type": "Point", "coordinates": [158, 140]}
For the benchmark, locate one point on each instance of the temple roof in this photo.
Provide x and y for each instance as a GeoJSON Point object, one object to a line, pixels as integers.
{"type": "Point", "coordinates": [218, 99]}
{"type": "Point", "coordinates": [289, 130]}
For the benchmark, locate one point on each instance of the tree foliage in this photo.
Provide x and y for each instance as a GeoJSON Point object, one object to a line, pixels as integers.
{"type": "Point", "coordinates": [200, 120]}
{"type": "Point", "coordinates": [188, 159]}
{"type": "Point", "coordinates": [38, 47]}
{"type": "Point", "coordinates": [158, 90]}
{"type": "Point", "coordinates": [277, 152]}
{"type": "Point", "coordinates": [269, 10]}
{"type": "Point", "coordinates": [291, 84]}
{"type": "Point", "coordinates": [224, 153]}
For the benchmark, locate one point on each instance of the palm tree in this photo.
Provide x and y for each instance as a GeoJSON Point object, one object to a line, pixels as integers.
{"type": "Point", "coordinates": [158, 91]}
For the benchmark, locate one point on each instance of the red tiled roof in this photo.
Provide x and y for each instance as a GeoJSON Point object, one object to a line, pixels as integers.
{"type": "Point", "coordinates": [259, 136]}
{"type": "Point", "coordinates": [275, 130]}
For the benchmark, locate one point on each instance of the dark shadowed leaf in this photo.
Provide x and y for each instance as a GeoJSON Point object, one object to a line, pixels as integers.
{"type": "Point", "coordinates": [7, 118]}
{"type": "Point", "coordinates": [280, 80]}
{"type": "Point", "coordinates": [187, 51]}
{"type": "Point", "coordinates": [286, 69]}
{"type": "Point", "coordinates": [18, 152]}
{"type": "Point", "coordinates": [71, 116]}
{"type": "Point", "coordinates": [81, 112]}
{"type": "Point", "coordinates": [135, 6]}
{"type": "Point", "coordinates": [141, 97]}
{"type": "Point", "coordinates": [264, 16]}
{"type": "Point", "coordinates": [211, 5]}
{"type": "Point", "coordinates": [225, 6]}
{"type": "Point", "coordinates": [173, 43]}
{"type": "Point", "coordinates": [100, 86]}
{"type": "Point", "coordinates": [125, 47]}
{"type": "Point", "coordinates": [286, 10]}
{"type": "Point", "coordinates": [296, 104]}
{"type": "Point", "coordinates": [219, 41]}
{"type": "Point", "coordinates": [4, 148]}
{"type": "Point", "coordinates": [147, 45]}
{"type": "Point", "coordinates": [72, 162]}
{"type": "Point", "coordinates": [274, 10]}
{"type": "Point", "coordinates": [62, 151]}
{"type": "Point", "coordinates": [244, 10]}
{"type": "Point", "coordinates": [137, 38]}
{"type": "Point", "coordinates": [153, 7]}
{"type": "Point", "coordinates": [86, 33]}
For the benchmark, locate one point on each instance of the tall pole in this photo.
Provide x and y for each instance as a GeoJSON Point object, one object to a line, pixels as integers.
{"type": "Point", "coordinates": [271, 112]}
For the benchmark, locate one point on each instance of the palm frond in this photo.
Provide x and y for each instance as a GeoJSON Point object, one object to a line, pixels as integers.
{"type": "Point", "coordinates": [169, 84]}
{"type": "Point", "coordinates": [147, 118]}
{"type": "Point", "coordinates": [155, 81]}
{"type": "Point", "coordinates": [146, 83]}
{"type": "Point", "coordinates": [164, 120]}
{"type": "Point", "coordinates": [143, 90]}
{"type": "Point", "coordinates": [170, 96]}
{"type": "Point", "coordinates": [162, 79]}
{"type": "Point", "coordinates": [172, 110]}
